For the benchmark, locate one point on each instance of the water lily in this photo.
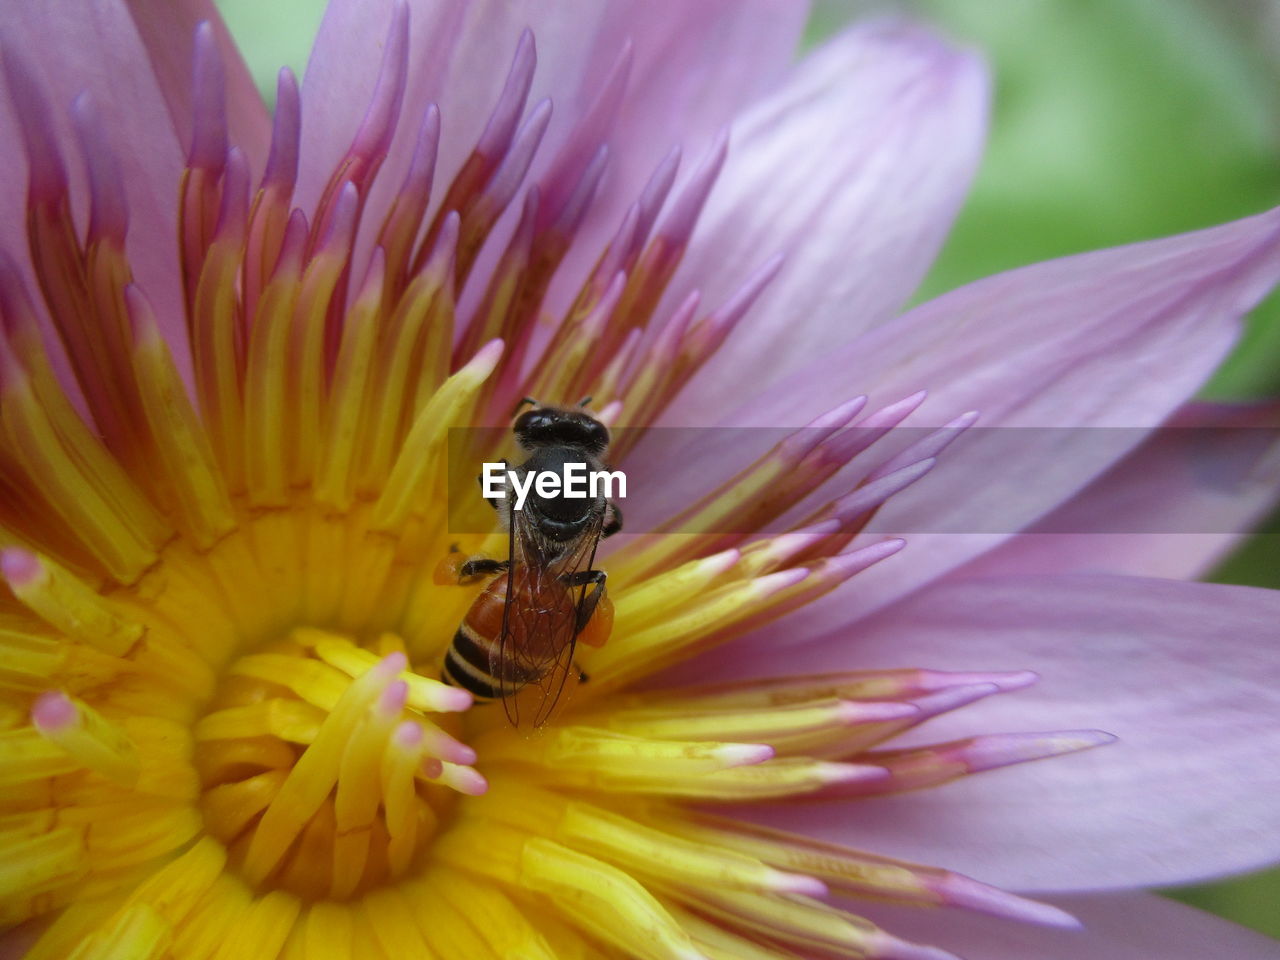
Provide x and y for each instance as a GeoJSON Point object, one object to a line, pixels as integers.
{"type": "Point", "coordinates": [233, 349]}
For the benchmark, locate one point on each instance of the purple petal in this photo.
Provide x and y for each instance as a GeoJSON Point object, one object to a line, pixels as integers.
{"type": "Point", "coordinates": [1133, 926]}
{"type": "Point", "coordinates": [1172, 508]}
{"type": "Point", "coordinates": [1107, 344]}
{"type": "Point", "coordinates": [694, 65]}
{"type": "Point", "coordinates": [854, 170]}
{"type": "Point", "coordinates": [166, 28]}
{"type": "Point", "coordinates": [73, 49]}
{"type": "Point", "coordinates": [1185, 674]}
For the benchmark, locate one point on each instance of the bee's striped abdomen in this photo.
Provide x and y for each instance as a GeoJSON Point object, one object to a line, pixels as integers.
{"type": "Point", "coordinates": [468, 664]}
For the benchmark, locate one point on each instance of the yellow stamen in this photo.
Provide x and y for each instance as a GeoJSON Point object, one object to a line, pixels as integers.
{"type": "Point", "coordinates": [82, 483]}
{"type": "Point", "coordinates": [314, 775]}
{"type": "Point", "coordinates": [328, 933]}
{"type": "Point", "coordinates": [38, 863]}
{"type": "Point", "coordinates": [607, 902]}
{"type": "Point", "coordinates": [425, 442]}
{"type": "Point", "coordinates": [174, 889]}
{"type": "Point", "coordinates": [404, 753]}
{"type": "Point", "coordinates": [291, 720]}
{"type": "Point", "coordinates": [770, 726]}
{"type": "Point", "coordinates": [350, 393]}
{"type": "Point", "coordinates": [139, 933]}
{"type": "Point", "coordinates": [359, 788]}
{"type": "Point", "coordinates": [660, 596]}
{"type": "Point", "coordinates": [452, 933]}
{"type": "Point", "coordinates": [230, 807]}
{"type": "Point", "coordinates": [306, 407]}
{"type": "Point", "coordinates": [784, 777]}
{"type": "Point", "coordinates": [718, 943]}
{"type": "Point", "coordinates": [508, 932]}
{"type": "Point", "coordinates": [220, 760]}
{"type": "Point", "coordinates": [88, 736]}
{"type": "Point", "coordinates": [74, 924]}
{"type": "Point", "coordinates": [600, 758]}
{"type": "Point", "coordinates": [392, 920]}
{"type": "Point", "coordinates": [645, 850]}
{"type": "Point", "coordinates": [164, 756]}
{"type": "Point", "coordinates": [216, 913]}
{"type": "Point", "coordinates": [180, 441]}
{"type": "Point", "coordinates": [266, 391]}
{"type": "Point", "coordinates": [26, 755]}
{"type": "Point", "coordinates": [650, 648]}
{"type": "Point", "coordinates": [262, 928]}
{"type": "Point", "coordinates": [424, 693]}
{"type": "Point", "coordinates": [388, 415]}
{"type": "Point", "coordinates": [217, 368]}
{"type": "Point", "coordinates": [66, 603]}
{"type": "Point", "coordinates": [799, 921]}
{"type": "Point", "coordinates": [27, 662]}
{"type": "Point", "coordinates": [142, 836]}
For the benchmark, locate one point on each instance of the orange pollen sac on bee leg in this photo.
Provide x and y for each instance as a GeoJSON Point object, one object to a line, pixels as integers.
{"type": "Point", "coordinates": [596, 632]}
{"type": "Point", "coordinates": [449, 570]}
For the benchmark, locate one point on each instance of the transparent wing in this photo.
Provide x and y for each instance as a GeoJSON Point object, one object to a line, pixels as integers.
{"type": "Point", "coordinates": [534, 654]}
{"type": "Point", "coordinates": [576, 560]}
{"type": "Point", "coordinates": [501, 669]}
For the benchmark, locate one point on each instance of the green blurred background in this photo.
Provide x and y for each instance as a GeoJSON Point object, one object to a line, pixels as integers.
{"type": "Point", "coordinates": [1115, 121]}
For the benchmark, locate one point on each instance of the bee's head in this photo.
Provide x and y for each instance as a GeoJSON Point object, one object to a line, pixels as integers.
{"type": "Point", "coordinates": [554, 426]}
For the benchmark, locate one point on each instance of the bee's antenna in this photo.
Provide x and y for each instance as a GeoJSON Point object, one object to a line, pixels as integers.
{"type": "Point", "coordinates": [584, 401]}
{"type": "Point", "coordinates": [529, 400]}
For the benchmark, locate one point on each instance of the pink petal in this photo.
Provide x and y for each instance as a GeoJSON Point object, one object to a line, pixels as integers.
{"type": "Point", "coordinates": [1185, 674]}
{"type": "Point", "coordinates": [1108, 343]}
{"type": "Point", "coordinates": [854, 170]}
{"type": "Point", "coordinates": [697, 66]}
{"type": "Point", "coordinates": [1133, 926]}
{"type": "Point", "coordinates": [73, 48]}
{"type": "Point", "coordinates": [1172, 508]}
{"type": "Point", "coordinates": [694, 65]}
{"type": "Point", "coordinates": [166, 28]}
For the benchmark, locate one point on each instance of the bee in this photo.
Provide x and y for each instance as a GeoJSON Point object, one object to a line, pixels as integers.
{"type": "Point", "coordinates": [522, 629]}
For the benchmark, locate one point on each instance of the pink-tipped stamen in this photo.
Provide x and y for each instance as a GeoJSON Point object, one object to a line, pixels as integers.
{"type": "Point", "coordinates": [53, 711]}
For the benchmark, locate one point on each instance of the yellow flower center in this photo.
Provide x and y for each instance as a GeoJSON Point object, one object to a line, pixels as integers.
{"type": "Point", "coordinates": [309, 777]}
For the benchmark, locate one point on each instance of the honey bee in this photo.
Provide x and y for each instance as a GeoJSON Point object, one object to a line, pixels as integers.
{"type": "Point", "coordinates": [522, 629]}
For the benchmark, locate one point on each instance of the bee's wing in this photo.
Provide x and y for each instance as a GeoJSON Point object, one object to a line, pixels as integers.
{"type": "Point", "coordinates": [539, 622]}
{"type": "Point", "coordinates": [580, 558]}
{"type": "Point", "coordinates": [503, 663]}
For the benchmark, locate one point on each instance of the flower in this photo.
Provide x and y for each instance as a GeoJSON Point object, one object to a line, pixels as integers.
{"type": "Point", "coordinates": [222, 463]}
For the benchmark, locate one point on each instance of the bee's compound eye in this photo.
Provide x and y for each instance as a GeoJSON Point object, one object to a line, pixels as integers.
{"type": "Point", "coordinates": [570, 428]}
{"type": "Point", "coordinates": [597, 436]}
{"type": "Point", "coordinates": [534, 425]}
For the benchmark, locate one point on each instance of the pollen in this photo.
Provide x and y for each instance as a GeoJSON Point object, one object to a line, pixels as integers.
{"type": "Point", "coordinates": [222, 622]}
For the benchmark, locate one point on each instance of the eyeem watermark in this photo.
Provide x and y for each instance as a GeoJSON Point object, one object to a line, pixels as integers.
{"type": "Point", "coordinates": [576, 483]}
{"type": "Point", "coordinates": [679, 478]}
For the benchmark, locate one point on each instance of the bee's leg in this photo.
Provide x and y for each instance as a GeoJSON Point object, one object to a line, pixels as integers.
{"type": "Point", "coordinates": [612, 521]}
{"type": "Point", "coordinates": [480, 567]}
{"type": "Point", "coordinates": [453, 569]}
{"type": "Point", "coordinates": [595, 579]}
{"type": "Point", "coordinates": [582, 674]}
{"type": "Point", "coordinates": [495, 502]}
